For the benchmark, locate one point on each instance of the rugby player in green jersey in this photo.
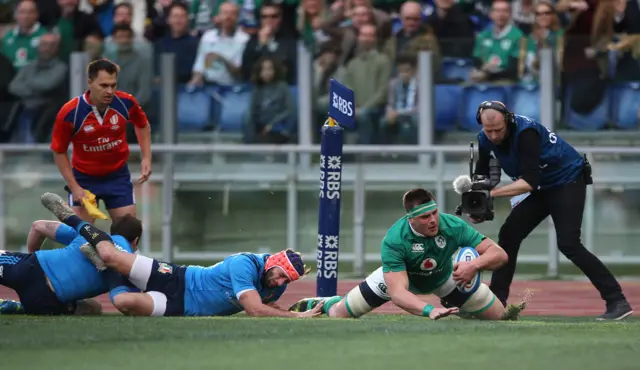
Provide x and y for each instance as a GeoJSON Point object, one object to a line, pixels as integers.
{"type": "Point", "coordinates": [417, 260]}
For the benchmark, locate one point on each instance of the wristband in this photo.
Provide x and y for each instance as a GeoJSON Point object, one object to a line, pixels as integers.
{"type": "Point", "coordinates": [426, 311]}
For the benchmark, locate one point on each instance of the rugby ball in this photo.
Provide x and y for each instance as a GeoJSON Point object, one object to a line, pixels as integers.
{"type": "Point", "coordinates": [468, 254]}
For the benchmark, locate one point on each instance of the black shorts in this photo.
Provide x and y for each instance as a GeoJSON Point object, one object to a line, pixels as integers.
{"type": "Point", "coordinates": [22, 272]}
{"type": "Point", "coordinates": [169, 279]}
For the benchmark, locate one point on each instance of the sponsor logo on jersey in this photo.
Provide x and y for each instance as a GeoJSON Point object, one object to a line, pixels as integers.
{"type": "Point", "coordinates": [428, 264]}
{"type": "Point", "coordinates": [101, 148]}
{"type": "Point", "coordinates": [165, 268]}
{"type": "Point", "coordinates": [417, 247]}
{"type": "Point", "coordinates": [382, 287]}
{"type": "Point", "coordinates": [441, 242]}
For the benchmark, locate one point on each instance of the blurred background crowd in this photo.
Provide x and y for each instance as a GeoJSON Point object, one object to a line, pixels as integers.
{"type": "Point", "coordinates": [237, 60]}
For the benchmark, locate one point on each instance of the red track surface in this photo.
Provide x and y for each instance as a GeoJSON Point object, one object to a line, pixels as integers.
{"type": "Point", "coordinates": [559, 298]}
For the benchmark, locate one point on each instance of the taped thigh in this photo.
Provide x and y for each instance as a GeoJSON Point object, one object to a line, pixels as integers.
{"type": "Point", "coordinates": [479, 301]}
{"type": "Point", "coordinates": [141, 272]}
{"type": "Point", "coordinates": [159, 303]}
{"type": "Point", "coordinates": [368, 295]}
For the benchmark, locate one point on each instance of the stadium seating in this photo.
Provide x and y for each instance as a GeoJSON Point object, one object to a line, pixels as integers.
{"type": "Point", "coordinates": [525, 100]}
{"type": "Point", "coordinates": [234, 108]}
{"type": "Point", "coordinates": [596, 120]}
{"type": "Point", "coordinates": [447, 104]}
{"type": "Point", "coordinates": [472, 96]}
{"type": "Point", "coordinates": [456, 68]}
{"type": "Point", "coordinates": [194, 109]}
{"type": "Point", "coordinates": [625, 105]}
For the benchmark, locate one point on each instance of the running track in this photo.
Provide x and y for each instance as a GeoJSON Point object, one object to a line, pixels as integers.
{"type": "Point", "coordinates": [559, 298]}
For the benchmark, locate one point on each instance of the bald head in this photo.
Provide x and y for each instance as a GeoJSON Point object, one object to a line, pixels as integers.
{"type": "Point", "coordinates": [410, 7]}
{"type": "Point", "coordinates": [410, 15]}
{"type": "Point", "coordinates": [228, 15]}
{"type": "Point", "coordinates": [494, 124]}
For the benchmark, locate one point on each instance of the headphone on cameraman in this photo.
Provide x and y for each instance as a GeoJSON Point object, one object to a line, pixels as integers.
{"type": "Point", "coordinates": [508, 116]}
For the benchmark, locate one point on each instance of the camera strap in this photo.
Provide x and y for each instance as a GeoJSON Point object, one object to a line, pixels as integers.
{"type": "Point", "coordinates": [421, 209]}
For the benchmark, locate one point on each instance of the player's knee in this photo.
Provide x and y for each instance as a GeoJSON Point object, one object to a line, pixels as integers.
{"type": "Point", "coordinates": [133, 304]}
{"type": "Point", "coordinates": [483, 303]}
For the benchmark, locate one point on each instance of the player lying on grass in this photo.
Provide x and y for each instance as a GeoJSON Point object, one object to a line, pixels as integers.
{"type": "Point", "coordinates": [243, 281]}
{"type": "Point", "coordinates": [62, 281]}
{"type": "Point", "coordinates": [417, 259]}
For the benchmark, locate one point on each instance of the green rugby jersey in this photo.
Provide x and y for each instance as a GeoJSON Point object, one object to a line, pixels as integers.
{"type": "Point", "coordinates": [497, 48]}
{"type": "Point", "coordinates": [427, 260]}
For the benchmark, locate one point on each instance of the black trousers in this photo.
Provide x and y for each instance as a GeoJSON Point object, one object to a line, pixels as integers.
{"type": "Point", "coordinates": [565, 205]}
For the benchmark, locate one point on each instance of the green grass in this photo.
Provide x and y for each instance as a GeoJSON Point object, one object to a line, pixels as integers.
{"type": "Point", "coordinates": [373, 342]}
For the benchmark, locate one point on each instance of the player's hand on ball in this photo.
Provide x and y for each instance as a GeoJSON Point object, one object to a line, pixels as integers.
{"type": "Point", "coordinates": [463, 272]}
{"type": "Point", "coordinates": [440, 312]}
{"type": "Point", "coordinates": [316, 311]}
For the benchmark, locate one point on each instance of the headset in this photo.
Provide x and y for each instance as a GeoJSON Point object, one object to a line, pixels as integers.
{"type": "Point", "coordinates": [508, 116]}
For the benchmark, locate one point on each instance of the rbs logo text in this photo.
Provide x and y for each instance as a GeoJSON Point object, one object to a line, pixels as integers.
{"type": "Point", "coordinates": [342, 105]}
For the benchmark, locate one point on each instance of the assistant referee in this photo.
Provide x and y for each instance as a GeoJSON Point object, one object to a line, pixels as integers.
{"type": "Point", "coordinates": [553, 176]}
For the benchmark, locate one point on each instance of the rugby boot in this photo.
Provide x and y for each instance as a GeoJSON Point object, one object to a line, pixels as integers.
{"type": "Point", "coordinates": [306, 304]}
{"type": "Point", "coordinates": [57, 206]}
{"type": "Point", "coordinates": [10, 307]}
{"type": "Point", "coordinates": [512, 312]}
{"type": "Point", "coordinates": [617, 310]}
{"type": "Point", "coordinates": [92, 255]}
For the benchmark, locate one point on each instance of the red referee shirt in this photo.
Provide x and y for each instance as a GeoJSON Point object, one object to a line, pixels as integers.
{"type": "Point", "coordinates": [99, 143]}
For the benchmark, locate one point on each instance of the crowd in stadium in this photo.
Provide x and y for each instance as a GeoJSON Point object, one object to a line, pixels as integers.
{"type": "Point", "coordinates": [237, 61]}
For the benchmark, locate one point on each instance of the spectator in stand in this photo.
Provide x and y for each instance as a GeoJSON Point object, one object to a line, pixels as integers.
{"type": "Point", "coordinates": [414, 36]}
{"type": "Point", "coordinates": [178, 41]}
{"type": "Point", "coordinates": [20, 44]}
{"type": "Point", "coordinates": [399, 125]}
{"type": "Point", "coordinates": [360, 16]}
{"type": "Point", "coordinates": [72, 25]}
{"type": "Point", "coordinates": [220, 52]}
{"type": "Point", "coordinates": [453, 28]}
{"type": "Point", "coordinates": [312, 14]}
{"type": "Point", "coordinates": [497, 48]}
{"type": "Point", "coordinates": [158, 15]}
{"type": "Point", "coordinates": [123, 15]}
{"type": "Point", "coordinates": [546, 33]}
{"type": "Point", "coordinates": [270, 118]}
{"type": "Point", "coordinates": [93, 45]}
{"type": "Point", "coordinates": [40, 86]}
{"type": "Point", "coordinates": [368, 75]}
{"type": "Point", "coordinates": [271, 41]}
{"type": "Point", "coordinates": [202, 14]}
{"type": "Point", "coordinates": [523, 14]}
{"type": "Point", "coordinates": [582, 72]}
{"type": "Point", "coordinates": [135, 75]}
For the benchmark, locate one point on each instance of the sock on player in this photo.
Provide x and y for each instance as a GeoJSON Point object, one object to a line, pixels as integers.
{"type": "Point", "coordinates": [329, 302]}
{"type": "Point", "coordinates": [75, 222]}
{"type": "Point", "coordinates": [92, 234]}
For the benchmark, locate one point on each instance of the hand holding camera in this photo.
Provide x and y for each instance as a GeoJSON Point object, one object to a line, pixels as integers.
{"type": "Point", "coordinates": [476, 191]}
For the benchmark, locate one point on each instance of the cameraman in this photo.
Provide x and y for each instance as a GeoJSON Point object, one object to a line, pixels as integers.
{"type": "Point", "coordinates": [550, 178]}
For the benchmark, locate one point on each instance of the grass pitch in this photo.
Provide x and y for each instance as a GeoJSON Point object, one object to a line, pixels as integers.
{"type": "Point", "coordinates": [374, 342]}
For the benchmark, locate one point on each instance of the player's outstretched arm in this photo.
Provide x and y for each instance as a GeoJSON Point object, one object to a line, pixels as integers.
{"type": "Point", "coordinates": [398, 289]}
{"type": "Point", "coordinates": [253, 306]}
